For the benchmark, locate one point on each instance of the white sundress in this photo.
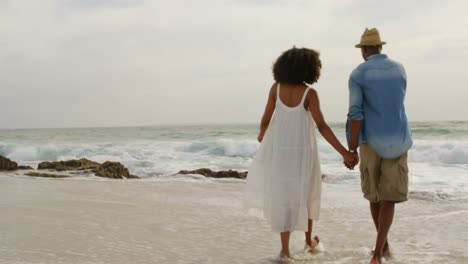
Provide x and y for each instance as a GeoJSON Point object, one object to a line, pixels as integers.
{"type": "Point", "coordinates": [284, 179]}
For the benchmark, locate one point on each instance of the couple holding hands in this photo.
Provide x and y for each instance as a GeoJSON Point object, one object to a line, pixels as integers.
{"type": "Point", "coordinates": [285, 178]}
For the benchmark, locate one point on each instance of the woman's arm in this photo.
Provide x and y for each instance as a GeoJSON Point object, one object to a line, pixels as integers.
{"type": "Point", "coordinates": [269, 109]}
{"type": "Point", "coordinates": [327, 133]}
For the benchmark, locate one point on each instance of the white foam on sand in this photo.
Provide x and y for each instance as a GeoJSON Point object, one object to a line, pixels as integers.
{"type": "Point", "coordinates": [86, 221]}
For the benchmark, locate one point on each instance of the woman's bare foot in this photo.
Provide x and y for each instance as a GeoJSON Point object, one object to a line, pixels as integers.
{"type": "Point", "coordinates": [285, 257]}
{"type": "Point", "coordinates": [285, 254]}
{"type": "Point", "coordinates": [312, 244]}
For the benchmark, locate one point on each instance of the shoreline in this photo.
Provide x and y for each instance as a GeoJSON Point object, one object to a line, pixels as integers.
{"type": "Point", "coordinates": [414, 193]}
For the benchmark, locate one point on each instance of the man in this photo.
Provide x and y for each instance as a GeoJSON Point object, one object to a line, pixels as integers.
{"type": "Point", "coordinates": [378, 124]}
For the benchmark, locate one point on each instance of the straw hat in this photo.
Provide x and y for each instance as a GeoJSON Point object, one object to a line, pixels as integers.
{"type": "Point", "coordinates": [370, 37]}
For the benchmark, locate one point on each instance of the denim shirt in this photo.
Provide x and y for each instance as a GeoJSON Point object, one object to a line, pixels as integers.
{"type": "Point", "coordinates": [377, 91]}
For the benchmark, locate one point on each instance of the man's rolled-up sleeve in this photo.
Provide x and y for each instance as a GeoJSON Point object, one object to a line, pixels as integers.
{"type": "Point", "coordinates": [355, 111]}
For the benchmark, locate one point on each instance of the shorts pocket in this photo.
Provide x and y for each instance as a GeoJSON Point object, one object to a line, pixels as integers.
{"type": "Point", "coordinates": [364, 175]}
{"type": "Point", "coordinates": [365, 181]}
{"type": "Point", "coordinates": [403, 175]}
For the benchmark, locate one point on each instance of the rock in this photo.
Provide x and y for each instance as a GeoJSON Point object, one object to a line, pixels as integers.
{"type": "Point", "coordinates": [108, 169]}
{"type": "Point", "coordinates": [203, 171]}
{"type": "Point", "coordinates": [7, 164]}
{"type": "Point", "coordinates": [25, 168]}
{"type": "Point", "coordinates": [216, 174]}
{"type": "Point", "coordinates": [81, 164]}
{"type": "Point", "coordinates": [114, 170]}
{"type": "Point", "coordinates": [46, 175]}
{"type": "Point", "coordinates": [230, 174]}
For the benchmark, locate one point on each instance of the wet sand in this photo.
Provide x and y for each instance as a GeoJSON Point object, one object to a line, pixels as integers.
{"type": "Point", "coordinates": [201, 221]}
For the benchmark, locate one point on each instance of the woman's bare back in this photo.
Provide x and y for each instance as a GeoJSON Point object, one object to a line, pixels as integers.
{"type": "Point", "coordinates": [291, 95]}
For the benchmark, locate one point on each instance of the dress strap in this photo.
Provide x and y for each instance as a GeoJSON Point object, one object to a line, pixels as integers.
{"type": "Point", "coordinates": [277, 91]}
{"type": "Point", "coordinates": [305, 95]}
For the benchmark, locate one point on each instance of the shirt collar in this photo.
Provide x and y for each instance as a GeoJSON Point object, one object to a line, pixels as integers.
{"type": "Point", "coordinates": [377, 56]}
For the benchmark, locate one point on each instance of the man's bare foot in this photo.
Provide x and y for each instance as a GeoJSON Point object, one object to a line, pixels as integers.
{"type": "Point", "coordinates": [312, 244]}
{"type": "Point", "coordinates": [375, 260]}
{"type": "Point", "coordinates": [386, 253]}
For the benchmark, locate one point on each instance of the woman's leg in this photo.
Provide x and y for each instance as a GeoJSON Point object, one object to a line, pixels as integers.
{"type": "Point", "coordinates": [285, 244]}
{"type": "Point", "coordinates": [308, 236]}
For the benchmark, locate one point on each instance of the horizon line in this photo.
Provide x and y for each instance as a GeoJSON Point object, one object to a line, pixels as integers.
{"type": "Point", "coordinates": [190, 124]}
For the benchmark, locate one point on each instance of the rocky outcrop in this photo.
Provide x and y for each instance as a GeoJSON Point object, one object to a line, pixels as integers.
{"type": "Point", "coordinates": [114, 170]}
{"type": "Point", "coordinates": [7, 165]}
{"type": "Point", "coordinates": [108, 169]}
{"type": "Point", "coordinates": [221, 174]}
{"type": "Point", "coordinates": [25, 168]}
{"type": "Point", "coordinates": [45, 175]}
{"type": "Point", "coordinates": [81, 164]}
{"type": "Point", "coordinates": [216, 174]}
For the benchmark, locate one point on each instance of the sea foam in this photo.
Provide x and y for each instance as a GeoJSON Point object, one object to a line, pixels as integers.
{"type": "Point", "coordinates": [226, 151]}
{"type": "Point", "coordinates": [438, 160]}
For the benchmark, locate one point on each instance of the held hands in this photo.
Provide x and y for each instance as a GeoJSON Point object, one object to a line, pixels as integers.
{"type": "Point", "coordinates": [350, 160]}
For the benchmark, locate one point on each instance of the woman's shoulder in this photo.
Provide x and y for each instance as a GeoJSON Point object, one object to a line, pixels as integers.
{"type": "Point", "coordinates": [311, 91]}
{"type": "Point", "coordinates": [273, 86]}
{"type": "Point", "coordinates": [273, 89]}
{"type": "Point", "coordinates": [311, 95]}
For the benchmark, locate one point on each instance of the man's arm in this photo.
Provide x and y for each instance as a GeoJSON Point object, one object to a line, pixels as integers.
{"type": "Point", "coordinates": [354, 129]}
{"type": "Point", "coordinates": [355, 113]}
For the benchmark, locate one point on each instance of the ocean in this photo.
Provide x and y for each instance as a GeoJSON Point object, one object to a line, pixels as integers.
{"type": "Point", "coordinates": [438, 161]}
{"type": "Point", "coordinates": [185, 219]}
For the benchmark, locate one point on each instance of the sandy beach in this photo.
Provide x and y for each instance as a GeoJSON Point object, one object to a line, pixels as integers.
{"type": "Point", "coordinates": [128, 129]}
{"type": "Point", "coordinates": [202, 221]}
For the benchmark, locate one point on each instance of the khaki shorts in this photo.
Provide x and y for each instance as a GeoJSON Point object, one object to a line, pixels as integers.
{"type": "Point", "coordinates": [383, 179]}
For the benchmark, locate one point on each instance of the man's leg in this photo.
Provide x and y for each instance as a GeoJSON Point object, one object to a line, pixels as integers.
{"type": "Point", "coordinates": [375, 212]}
{"type": "Point", "coordinates": [387, 211]}
{"type": "Point", "coordinates": [393, 188]}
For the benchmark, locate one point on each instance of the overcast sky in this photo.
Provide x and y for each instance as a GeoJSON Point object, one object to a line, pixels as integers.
{"type": "Point", "coordinates": [74, 63]}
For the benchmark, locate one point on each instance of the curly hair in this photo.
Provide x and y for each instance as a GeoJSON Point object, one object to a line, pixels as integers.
{"type": "Point", "coordinates": [296, 66]}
